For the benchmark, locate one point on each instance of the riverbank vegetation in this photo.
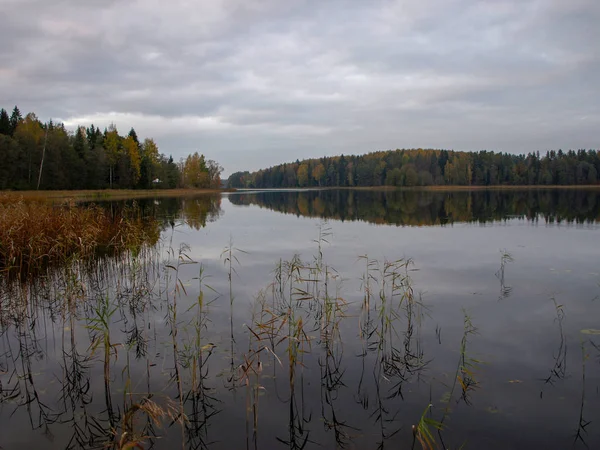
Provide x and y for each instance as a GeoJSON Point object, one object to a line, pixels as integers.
{"type": "Point", "coordinates": [104, 194]}
{"type": "Point", "coordinates": [36, 155]}
{"type": "Point", "coordinates": [421, 167]}
{"type": "Point", "coordinates": [36, 235]}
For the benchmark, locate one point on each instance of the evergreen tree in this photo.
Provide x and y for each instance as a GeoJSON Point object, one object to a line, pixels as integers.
{"type": "Point", "coordinates": [9, 155]}
{"type": "Point", "coordinates": [133, 135]}
{"type": "Point", "coordinates": [15, 119]}
{"type": "Point", "coordinates": [32, 152]}
{"type": "Point", "coordinates": [91, 136]}
{"type": "Point", "coordinates": [79, 142]}
{"type": "Point", "coordinates": [172, 174]}
{"type": "Point", "coordinates": [5, 126]}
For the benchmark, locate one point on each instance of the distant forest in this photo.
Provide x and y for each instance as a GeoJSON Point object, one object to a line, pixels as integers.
{"type": "Point", "coordinates": [36, 155]}
{"type": "Point", "coordinates": [426, 167]}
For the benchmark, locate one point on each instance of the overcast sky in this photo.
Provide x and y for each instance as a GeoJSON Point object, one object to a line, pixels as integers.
{"type": "Point", "coordinates": [253, 83]}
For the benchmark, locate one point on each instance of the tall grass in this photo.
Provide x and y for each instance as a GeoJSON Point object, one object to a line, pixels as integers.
{"type": "Point", "coordinates": [100, 327]}
{"type": "Point", "coordinates": [35, 235]}
{"type": "Point", "coordinates": [230, 260]}
{"type": "Point", "coordinates": [465, 373]}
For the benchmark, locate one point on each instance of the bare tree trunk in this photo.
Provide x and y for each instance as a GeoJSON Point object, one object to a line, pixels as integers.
{"type": "Point", "coordinates": [42, 163]}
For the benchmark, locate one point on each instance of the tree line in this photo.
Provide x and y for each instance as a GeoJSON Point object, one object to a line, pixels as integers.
{"type": "Point", "coordinates": [428, 167]}
{"type": "Point", "coordinates": [37, 155]}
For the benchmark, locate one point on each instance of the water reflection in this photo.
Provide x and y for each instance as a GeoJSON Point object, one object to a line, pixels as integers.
{"type": "Point", "coordinates": [193, 211]}
{"type": "Point", "coordinates": [419, 208]}
{"type": "Point", "coordinates": [141, 350]}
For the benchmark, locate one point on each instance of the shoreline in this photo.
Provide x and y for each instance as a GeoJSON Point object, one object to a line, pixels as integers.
{"type": "Point", "coordinates": [122, 194]}
{"type": "Point", "coordinates": [108, 194]}
{"type": "Point", "coordinates": [521, 187]}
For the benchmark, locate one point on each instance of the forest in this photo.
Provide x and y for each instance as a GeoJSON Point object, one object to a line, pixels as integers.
{"type": "Point", "coordinates": [46, 156]}
{"type": "Point", "coordinates": [428, 167]}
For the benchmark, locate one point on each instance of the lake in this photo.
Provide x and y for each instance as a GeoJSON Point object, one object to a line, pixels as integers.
{"type": "Point", "coordinates": [318, 319]}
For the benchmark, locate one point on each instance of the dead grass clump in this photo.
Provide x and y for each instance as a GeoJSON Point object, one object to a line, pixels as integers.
{"type": "Point", "coordinates": [35, 235]}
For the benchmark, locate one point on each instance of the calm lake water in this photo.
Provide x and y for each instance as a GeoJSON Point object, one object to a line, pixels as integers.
{"type": "Point", "coordinates": [348, 316]}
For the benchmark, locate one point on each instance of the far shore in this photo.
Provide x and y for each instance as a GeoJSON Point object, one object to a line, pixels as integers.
{"type": "Point", "coordinates": [476, 188]}
{"type": "Point", "coordinates": [429, 188]}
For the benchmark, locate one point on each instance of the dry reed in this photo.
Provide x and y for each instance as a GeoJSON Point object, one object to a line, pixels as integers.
{"type": "Point", "coordinates": [35, 235]}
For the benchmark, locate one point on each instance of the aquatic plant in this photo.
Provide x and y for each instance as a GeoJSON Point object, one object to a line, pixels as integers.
{"type": "Point", "coordinates": [505, 258]}
{"type": "Point", "coordinates": [129, 437]}
{"type": "Point", "coordinates": [582, 423]}
{"type": "Point", "coordinates": [422, 432]}
{"type": "Point", "coordinates": [559, 369]}
{"type": "Point", "coordinates": [465, 372]}
{"type": "Point", "coordinates": [230, 260]}
{"type": "Point", "coordinates": [100, 326]}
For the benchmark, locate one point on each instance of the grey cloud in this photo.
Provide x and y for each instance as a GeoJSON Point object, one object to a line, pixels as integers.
{"type": "Point", "coordinates": [255, 83]}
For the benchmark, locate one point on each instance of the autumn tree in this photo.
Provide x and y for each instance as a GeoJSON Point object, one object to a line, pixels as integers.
{"type": "Point", "coordinates": [214, 173]}
{"type": "Point", "coordinates": [149, 163]}
{"type": "Point", "coordinates": [112, 145]}
{"type": "Point", "coordinates": [302, 175]}
{"type": "Point", "coordinates": [195, 172]}
{"type": "Point", "coordinates": [318, 174]}
{"type": "Point", "coordinates": [132, 150]}
{"type": "Point", "coordinates": [34, 153]}
{"type": "Point", "coordinates": [30, 135]}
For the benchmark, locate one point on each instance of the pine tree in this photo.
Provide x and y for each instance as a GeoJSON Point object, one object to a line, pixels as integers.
{"type": "Point", "coordinates": [79, 142]}
{"type": "Point", "coordinates": [15, 119]}
{"type": "Point", "coordinates": [133, 134]}
{"type": "Point", "coordinates": [5, 127]}
{"type": "Point", "coordinates": [91, 136]}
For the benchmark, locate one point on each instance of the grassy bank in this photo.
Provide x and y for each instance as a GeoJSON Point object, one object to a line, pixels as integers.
{"type": "Point", "coordinates": [104, 194]}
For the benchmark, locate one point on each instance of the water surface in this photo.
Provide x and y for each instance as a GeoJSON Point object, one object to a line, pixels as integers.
{"type": "Point", "coordinates": [471, 302]}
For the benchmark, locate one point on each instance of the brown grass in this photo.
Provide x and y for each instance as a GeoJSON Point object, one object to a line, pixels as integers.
{"type": "Point", "coordinates": [108, 194]}
{"type": "Point", "coordinates": [34, 235]}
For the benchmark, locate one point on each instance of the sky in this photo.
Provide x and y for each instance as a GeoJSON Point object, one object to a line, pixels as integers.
{"type": "Point", "coordinates": [254, 83]}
